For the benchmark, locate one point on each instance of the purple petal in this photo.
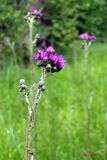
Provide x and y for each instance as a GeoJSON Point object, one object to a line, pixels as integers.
{"type": "Point", "coordinates": [87, 37]}
{"type": "Point", "coordinates": [84, 36]}
{"type": "Point", "coordinates": [53, 57]}
{"type": "Point", "coordinates": [43, 54]}
{"type": "Point", "coordinates": [35, 12]}
{"type": "Point", "coordinates": [39, 14]}
{"type": "Point", "coordinates": [32, 9]}
{"type": "Point", "coordinates": [61, 61]}
{"type": "Point", "coordinates": [36, 56]}
{"type": "Point", "coordinates": [50, 49]}
{"type": "Point", "coordinates": [92, 37]}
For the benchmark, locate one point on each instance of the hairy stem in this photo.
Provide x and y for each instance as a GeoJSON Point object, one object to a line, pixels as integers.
{"type": "Point", "coordinates": [31, 115]}
{"type": "Point", "coordinates": [28, 134]}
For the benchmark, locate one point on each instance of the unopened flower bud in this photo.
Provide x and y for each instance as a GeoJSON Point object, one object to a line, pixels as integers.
{"type": "Point", "coordinates": [41, 83]}
{"type": "Point", "coordinates": [27, 16]}
{"type": "Point", "coordinates": [22, 81]}
{"type": "Point", "coordinates": [48, 66]}
{"type": "Point", "coordinates": [37, 36]}
{"type": "Point", "coordinates": [43, 88]}
{"type": "Point", "coordinates": [22, 87]}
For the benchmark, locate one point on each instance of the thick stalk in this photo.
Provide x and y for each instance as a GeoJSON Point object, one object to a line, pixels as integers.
{"type": "Point", "coordinates": [86, 97]}
{"type": "Point", "coordinates": [31, 115]}
{"type": "Point", "coordinates": [28, 139]}
{"type": "Point", "coordinates": [28, 131]}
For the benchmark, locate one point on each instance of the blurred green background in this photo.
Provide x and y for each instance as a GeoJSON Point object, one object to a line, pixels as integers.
{"type": "Point", "coordinates": [61, 118]}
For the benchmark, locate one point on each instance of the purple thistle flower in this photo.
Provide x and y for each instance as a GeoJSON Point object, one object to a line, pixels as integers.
{"type": "Point", "coordinates": [36, 56]}
{"type": "Point", "coordinates": [84, 36]}
{"type": "Point", "coordinates": [35, 12]}
{"type": "Point", "coordinates": [53, 57]}
{"type": "Point", "coordinates": [50, 49]}
{"type": "Point", "coordinates": [48, 59]}
{"type": "Point", "coordinates": [92, 38]}
{"type": "Point", "coordinates": [32, 9]}
{"type": "Point", "coordinates": [39, 14]}
{"type": "Point", "coordinates": [87, 37]}
{"type": "Point", "coordinates": [60, 61]}
{"type": "Point", "coordinates": [44, 55]}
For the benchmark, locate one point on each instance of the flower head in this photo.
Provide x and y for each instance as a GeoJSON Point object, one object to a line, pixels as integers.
{"type": "Point", "coordinates": [50, 49]}
{"type": "Point", "coordinates": [32, 9]}
{"type": "Point", "coordinates": [50, 60]}
{"type": "Point", "coordinates": [36, 56]}
{"type": "Point", "coordinates": [35, 12]}
{"type": "Point", "coordinates": [87, 37]}
{"type": "Point", "coordinates": [43, 54]}
{"type": "Point", "coordinates": [53, 57]}
{"type": "Point", "coordinates": [92, 38]}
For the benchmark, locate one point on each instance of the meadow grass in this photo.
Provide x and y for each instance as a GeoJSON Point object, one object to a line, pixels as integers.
{"type": "Point", "coordinates": [61, 118]}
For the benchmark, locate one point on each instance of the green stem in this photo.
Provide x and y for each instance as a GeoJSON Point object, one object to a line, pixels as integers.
{"type": "Point", "coordinates": [86, 96]}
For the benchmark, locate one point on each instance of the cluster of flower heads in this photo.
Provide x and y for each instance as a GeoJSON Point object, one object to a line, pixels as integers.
{"type": "Point", "coordinates": [49, 59]}
{"type": "Point", "coordinates": [87, 37]}
{"type": "Point", "coordinates": [35, 12]}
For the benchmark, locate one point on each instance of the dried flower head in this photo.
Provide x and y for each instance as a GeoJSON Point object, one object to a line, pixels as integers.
{"type": "Point", "coordinates": [49, 59]}
{"type": "Point", "coordinates": [87, 37]}
{"type": "Point", "coordinates": [22, 85]}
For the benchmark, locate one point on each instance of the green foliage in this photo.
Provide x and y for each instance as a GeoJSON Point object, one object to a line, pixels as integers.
{"type": "Point", "coordinates": [72, 17]}
{"type": "Point", "coordinates": [12, 25]}
{"type": "Point", "coordinates": [11, 19]}
{"type": "Point", "coordinates": [64, 21]}
{"type": "Point", "coordinates": [92, 17]}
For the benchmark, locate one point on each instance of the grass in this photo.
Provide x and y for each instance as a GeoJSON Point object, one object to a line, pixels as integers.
{"type": "Point", "coordinates": [61, 118]}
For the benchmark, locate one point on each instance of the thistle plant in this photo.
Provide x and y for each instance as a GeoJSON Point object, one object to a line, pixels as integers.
{"type": "Point", "coordinates": [49, 62]}
{"type": "Point", "coordinates": [31, 17]}
{"type": "Point", "coordinates": [88, 39]}
{"type": "Point", "coordinates": [87, 43]}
